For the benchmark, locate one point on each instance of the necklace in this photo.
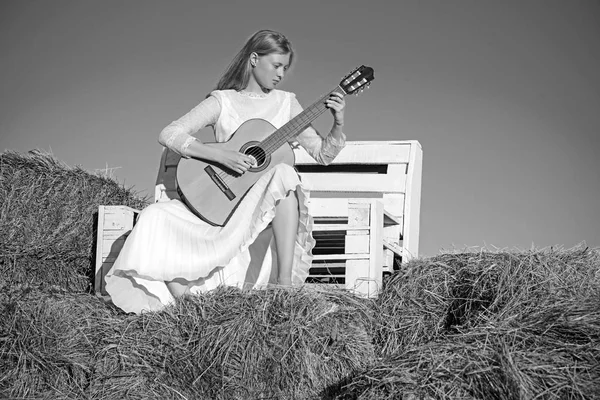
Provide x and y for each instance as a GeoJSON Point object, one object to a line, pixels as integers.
{"type": "Point", "coordinates": [253, 94]}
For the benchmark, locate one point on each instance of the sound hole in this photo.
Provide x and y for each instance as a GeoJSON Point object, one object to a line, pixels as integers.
{"type": "Point", "coordinates": [258, 153]}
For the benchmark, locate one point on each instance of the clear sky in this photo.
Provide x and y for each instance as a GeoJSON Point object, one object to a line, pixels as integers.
{"type": "Point", "coordinates": [504, 96]}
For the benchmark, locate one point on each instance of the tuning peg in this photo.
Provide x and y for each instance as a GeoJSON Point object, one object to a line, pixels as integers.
{"type": "Point", "coordinates": [353, 70]}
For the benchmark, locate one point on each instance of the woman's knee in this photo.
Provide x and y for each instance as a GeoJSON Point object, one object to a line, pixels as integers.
{"type": "Point", "coordinates": [284, 169]}
{"type": "Point", "coordinates": [287, 176]}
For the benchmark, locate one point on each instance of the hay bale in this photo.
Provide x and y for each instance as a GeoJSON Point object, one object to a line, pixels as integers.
{"type": "Point", "coordinates": [544, 359]}
{"type": "Point", "coordinates": [47, 226]}
{"type": "Point", "coordinates": [226, 344]}
{"type": "Point", "coordinates": [462, 326]}
{"type": "Point", "coordinates": [274, 343]}
{"type": "Point", "coordinates": [434, 297]}
{"type": "Point", "coordinates": [488, 326]}
{"type": "Point", "coordinates": [57, 345]}
{"type": "Point", "coordinates": [426, 371]}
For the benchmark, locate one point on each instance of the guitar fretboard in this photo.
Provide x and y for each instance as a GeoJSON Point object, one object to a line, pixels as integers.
{"type": "Point", "coordinates": [297, 124]}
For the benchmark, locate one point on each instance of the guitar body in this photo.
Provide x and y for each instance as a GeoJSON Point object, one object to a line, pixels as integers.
{"type": "Point", "coordinates": [213, 192]}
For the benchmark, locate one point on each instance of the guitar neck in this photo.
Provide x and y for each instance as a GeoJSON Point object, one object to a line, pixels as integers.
{"type": "Point", "coordinates": [297, 124]}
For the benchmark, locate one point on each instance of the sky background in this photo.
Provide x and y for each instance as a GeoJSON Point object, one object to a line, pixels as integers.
{"type": "Point", "coordinates": [504, 96]}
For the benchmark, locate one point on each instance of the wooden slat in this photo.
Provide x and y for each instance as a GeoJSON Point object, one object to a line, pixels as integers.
{"type": "Point", "coordinates": [357, 276]}
{"type": "Point", "coordinates": [315, 194]}
{"type": "Point", "coordinates": [388, 260]}
{"type": "Point", "coordinates": [114, 234]}
{"type": "Point", "coordinates": [338, 208]}
{"type": "Point", "coordinates": [100, 274]}
{"type": "Point", "coordinates": [358, 213]}
{"type": "Point", "coordinates": [336, 203]}
{"type": "Point", "coordinates": [328, 285]}
{"type": "Point", "coordinates": [339, 264]}
{"type": "Point", "coordinates": [393, 247]}
{"type": "Point", "coordinates": [412, 209]}
{"type": "Point", "coordinates": [341, 256]}
{"type": "Point", "coordinates": [363, 153]}
{"type": "Point", "coordinates": [112, 247]}
{"type": "Point", "coordinates": [393, 203]}
{"type": "Point", "coordinates": [376, 260]}
{"type": "Point", "coordinates": [327, 271]}
{"type": "Point", "coordinates": [352, 231]}
{"type": "Point", "coordinates": [99, 242]}
{"type": "Point", "coordinates": [392, 234]}
{"type": "Point", "coordinates": [338, 227]}
{"type": "Point", "coordinates": [352, 182]}
{"type": "Point", "coordinates": [357, 244]}
{"type": "Point", "coordinates": [114, 224]}
{"type": "Point", "coordinates": [118, 218]}
{"type": "Point", "coordinates": [320, 207]}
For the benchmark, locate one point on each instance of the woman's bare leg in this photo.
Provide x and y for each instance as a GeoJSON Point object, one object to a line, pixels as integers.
{"type": "Point", "coordinates": [178, 287]}
{"type": "Point", "coordinates": [285, 227]}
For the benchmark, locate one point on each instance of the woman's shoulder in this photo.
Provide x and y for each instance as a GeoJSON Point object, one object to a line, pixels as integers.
{"type": "Point", "coordinates": [284, 93]}
{"type": "Point", "coordinates": [240, 96]}
{"type": "Point", "coordinates": [223, 93]}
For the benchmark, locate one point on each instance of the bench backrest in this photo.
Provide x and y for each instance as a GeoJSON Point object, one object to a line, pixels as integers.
{"type": "Point", "coordinates": [389, 170]}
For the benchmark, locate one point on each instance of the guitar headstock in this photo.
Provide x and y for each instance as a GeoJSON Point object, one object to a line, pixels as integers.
{"type": "Point", "coordinates": [357, 80]}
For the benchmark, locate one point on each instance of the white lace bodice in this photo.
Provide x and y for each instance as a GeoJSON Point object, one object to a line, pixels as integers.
{"type": "Point", "coordinates": [226, 110]}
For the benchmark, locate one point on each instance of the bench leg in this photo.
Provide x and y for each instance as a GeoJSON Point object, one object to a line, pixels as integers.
{"type": "Point", "coordinates": [364, 275]}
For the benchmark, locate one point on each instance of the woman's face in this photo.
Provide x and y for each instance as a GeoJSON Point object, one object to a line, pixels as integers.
{"type": "Point", "coordinates": [270, 69]}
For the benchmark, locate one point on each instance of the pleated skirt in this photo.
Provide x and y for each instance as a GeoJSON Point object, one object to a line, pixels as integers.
{"type": "Point", "coordinates": [169, 242]}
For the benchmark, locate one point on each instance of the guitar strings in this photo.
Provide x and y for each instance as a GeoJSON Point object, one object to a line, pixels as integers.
{"type": "Point", "coordinates": [273, 143]}
{"type": "Point", "coordinates": [297, 124]}
{"type": "Point", "coordinates": [319, 107]}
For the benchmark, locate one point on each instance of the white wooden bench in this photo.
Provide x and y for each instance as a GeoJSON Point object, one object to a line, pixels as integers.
{"type": "Point", "coordinates": [366, 206]}
{"type": "Point", "coordinates": [375, 183]}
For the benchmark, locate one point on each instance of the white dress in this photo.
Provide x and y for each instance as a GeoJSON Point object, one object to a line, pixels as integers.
{"type": "Point", "coordinates": [170, 242]}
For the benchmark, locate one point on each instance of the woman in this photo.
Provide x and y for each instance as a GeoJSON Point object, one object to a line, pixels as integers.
{"type": "Point", "coordinates": [268, 238]}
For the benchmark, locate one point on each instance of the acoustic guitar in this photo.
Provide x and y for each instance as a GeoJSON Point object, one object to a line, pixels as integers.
{"type": "Point", "coordinates": [213, 192]}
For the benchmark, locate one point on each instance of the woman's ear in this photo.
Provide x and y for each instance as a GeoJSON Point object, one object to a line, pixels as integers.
{"type": "Point", "coordinates": [253, 58]}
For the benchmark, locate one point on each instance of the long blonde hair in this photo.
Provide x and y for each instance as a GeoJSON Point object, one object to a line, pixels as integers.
{"type": "Point", "coordinates": [263, 42]}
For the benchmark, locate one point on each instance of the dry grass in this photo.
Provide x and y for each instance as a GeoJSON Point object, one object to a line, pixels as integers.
{"type": "Point", "coordinates": [47, 227]}
{"type": "Point", "coordinates": [472, 325]}
{"type": "Point", "coordinates": [436, 295]}
{"type": "Point", "coordinates": [504, 325]}
{"type": "Point", "coordinates": [227, 344]}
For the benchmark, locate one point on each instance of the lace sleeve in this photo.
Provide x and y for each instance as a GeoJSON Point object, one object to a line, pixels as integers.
{"type": "Point", "coordinates": [177, 135]}
{"type": "Point", "coordinates": [322, 150]}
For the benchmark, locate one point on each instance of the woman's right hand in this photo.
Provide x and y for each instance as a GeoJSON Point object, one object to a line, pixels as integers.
{"type": "Point", "coordinates": [236, 161]}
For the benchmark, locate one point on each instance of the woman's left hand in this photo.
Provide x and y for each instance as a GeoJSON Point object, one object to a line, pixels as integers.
{"type": "Point", "coordinates": [336, 104]}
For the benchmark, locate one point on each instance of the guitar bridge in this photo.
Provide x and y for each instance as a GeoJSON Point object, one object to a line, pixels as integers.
{"type": "Point", "coordinates": [219, 182]}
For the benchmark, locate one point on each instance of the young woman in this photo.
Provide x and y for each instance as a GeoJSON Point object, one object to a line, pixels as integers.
{"type": "Point", "coordinates": [268, 238]}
